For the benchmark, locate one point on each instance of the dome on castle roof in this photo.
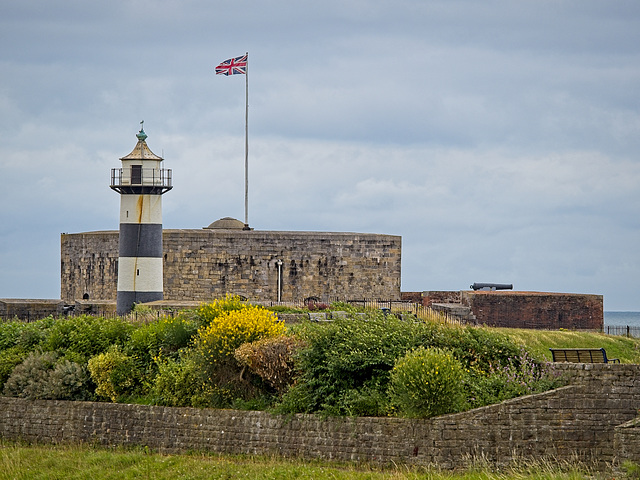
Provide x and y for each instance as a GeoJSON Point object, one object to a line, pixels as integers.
{"type": "Point", "coordinates": [227, 223]}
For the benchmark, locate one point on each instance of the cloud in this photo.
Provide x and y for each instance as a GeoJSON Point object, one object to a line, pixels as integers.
{"type": "Point", "coordinates": [499, 140]}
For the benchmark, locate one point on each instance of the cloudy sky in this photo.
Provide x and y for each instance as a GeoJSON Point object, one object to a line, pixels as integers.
{"type": "Point", "coordinates": [500, 139]}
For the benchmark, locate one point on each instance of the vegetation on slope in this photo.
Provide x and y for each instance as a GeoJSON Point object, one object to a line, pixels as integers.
{"type": "Point", "coordinates": [233, 354]}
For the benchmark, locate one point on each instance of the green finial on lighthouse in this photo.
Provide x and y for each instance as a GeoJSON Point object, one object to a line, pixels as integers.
{"type": "Point", "coordinates": [141, 135]}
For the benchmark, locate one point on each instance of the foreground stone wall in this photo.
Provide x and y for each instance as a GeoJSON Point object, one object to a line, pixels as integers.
{"type": "Point", "coordinates": [204, 264]}
{"type": "Point", "coordinates": [579, 420]}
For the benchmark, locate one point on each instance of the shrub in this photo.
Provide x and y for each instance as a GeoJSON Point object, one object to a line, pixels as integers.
{"type": "Point", "coordinates": [24, 335]}
{"type": "Point", "coordinates": [9, 359]}
{"type": "Point", "coordinates": [45, 376]}
{"type": "Point", "coordinates": [181, 383]}
{"type": "Point", "coordinates": [271, 359]}
{"type": "Point", "coordinates": [208, 312]}
{"type": "Point", "coordinates": [163, 337]}
{"type": "Point", "coordinates": [217, 341]}
{"type": "Point", "coordinates": [427, 382]}
{"type": "Point", "coordinates": [228, 330]}
{"type": "Point", "coordinates": [522, 375]}
{"type": "Point", "coordinates": [114, 373]}
{"type": "Point", "coordinates": [346, 355]}
{"type": "Point", "coordinates": [83, 337]}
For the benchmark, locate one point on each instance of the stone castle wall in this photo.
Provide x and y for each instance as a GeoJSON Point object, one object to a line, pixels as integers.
{"type": "Point", "coordinates": [578, 421]}
{"type": "Point", "coordinates": [202, 264]}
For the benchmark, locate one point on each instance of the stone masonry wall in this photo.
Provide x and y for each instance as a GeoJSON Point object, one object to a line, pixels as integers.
{"type": "Point", "coordinates": [536, 309]}
{"type": "Point", "coordinates": [204, 264]}
{"type": "Point", "coordinates": [25, 309]}
{"type": "Point", "coordinates": [574, 421]}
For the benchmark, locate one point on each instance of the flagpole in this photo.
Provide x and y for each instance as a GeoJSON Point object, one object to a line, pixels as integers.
{"type": "Point", "coordinates": [246, 148]}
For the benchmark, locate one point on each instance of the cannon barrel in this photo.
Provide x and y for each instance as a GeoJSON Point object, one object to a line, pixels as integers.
{"type": "Point", "coordinates": [492, 286]}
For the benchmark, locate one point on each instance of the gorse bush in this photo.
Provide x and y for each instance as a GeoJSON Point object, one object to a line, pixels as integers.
{"type": "Point", "coordinates": [208, 312]}
{"type": "Point", "coordinates": [230, 329]}
{"type": "Point", "coordinates": [427, 382]}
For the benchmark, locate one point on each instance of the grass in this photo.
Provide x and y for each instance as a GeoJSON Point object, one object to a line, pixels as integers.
{"type": "Point", "coordinates": [538, 342]}
{"type": "Point", "coordinates": [85, 461]}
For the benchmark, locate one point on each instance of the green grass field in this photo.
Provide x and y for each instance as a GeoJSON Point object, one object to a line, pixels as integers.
{"type": "Point", "coordinates": [19, 462]}
{"type": "Point", "coordinates": [538, 342]}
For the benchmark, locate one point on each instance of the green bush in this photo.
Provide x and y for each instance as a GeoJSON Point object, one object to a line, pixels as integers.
{"type": "Point", "coordinates": [181, 383]}
{"type": "Point", "coordinates": [349, 355]}
{"type": "Point", "coordinates": [427, 382]}
{"type": "Point", "coordinates": [161, 338]}
{"type": "Point", "coordinates": [114, 373]}
{"type": "Point", "coordinates": [9, 359]}
{"type": "Point", "coordinates": [522, 375]}
{"type": "Point", "coordinates": [26, 335]}
{"type": "Point", "coordinates": [46, 376]}
{"type": "Point", "coordinates": [80, 338]}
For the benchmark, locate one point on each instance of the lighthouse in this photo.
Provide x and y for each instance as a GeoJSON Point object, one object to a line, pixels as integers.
{"type": "Point", "coordinates": [141, 181]}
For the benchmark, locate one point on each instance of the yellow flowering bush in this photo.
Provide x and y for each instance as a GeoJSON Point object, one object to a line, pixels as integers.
{"type": "Point", "coordinates": [208, 312]}
{"type": "Point", "coordinates": [230, 329]}
{"type": "Point", "coordinates": [427, 382]}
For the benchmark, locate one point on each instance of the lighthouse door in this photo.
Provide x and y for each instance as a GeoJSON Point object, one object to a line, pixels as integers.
{"type": "Point", "coordinates": [136, 174]}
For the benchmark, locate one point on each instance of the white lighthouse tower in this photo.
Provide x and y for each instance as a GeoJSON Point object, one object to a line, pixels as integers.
{"type": "Point", "coordinates": [140, 181]}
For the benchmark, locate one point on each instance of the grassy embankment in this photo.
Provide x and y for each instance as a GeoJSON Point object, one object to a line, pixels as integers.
{"type": "Point", "coordinates": [538, 342]}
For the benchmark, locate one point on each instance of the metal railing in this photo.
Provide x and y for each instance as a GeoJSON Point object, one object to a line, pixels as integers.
{"type": "Point", "coordinates": [157, 177]}
{"type": "Point", "coordinates": [622, 330]}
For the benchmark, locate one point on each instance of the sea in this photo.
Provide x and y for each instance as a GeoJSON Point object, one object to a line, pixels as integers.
{"type": "Point", "coordinates": [631, 319]}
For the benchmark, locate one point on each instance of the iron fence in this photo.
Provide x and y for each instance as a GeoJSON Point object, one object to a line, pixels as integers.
{"type": "Point", "coordinates": [622, 330]}
{"type": "Point", "coordinates": [396, 307]}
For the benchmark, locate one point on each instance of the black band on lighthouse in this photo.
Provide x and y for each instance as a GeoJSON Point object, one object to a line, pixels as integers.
{"type": "Point", "coordinates": [140, 240]}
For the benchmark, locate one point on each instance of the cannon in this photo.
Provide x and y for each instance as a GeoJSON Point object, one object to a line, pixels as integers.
{"type": "Point", "coordinates": [492, 286]}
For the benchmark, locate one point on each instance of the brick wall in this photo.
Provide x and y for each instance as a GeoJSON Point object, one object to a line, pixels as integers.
{"type": "Point", "coordinates": [431, 297]}
{"type": "Point", "coordinates": [579, 420]}
{"type": "Point", "coordinates": [536, 309]}
{"type": "Point", "coordinates": [204, 264]}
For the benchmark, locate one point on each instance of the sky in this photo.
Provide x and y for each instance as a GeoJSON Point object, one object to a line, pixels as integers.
{"type": "Point", "coordinates": [499, 139]}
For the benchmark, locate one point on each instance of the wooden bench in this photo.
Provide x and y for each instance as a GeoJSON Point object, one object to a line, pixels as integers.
{"type": "Point", "coordinates": [581, 355]}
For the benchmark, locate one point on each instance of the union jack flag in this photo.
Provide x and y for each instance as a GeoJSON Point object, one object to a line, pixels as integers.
{"type": "Point", "coordinates": [233, 66]}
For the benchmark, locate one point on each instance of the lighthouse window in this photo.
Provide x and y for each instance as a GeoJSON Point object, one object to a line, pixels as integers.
{"type": "Point", "coordinates": [138, 272]}
{"type": "Point", "coordinates": [136, 174]}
